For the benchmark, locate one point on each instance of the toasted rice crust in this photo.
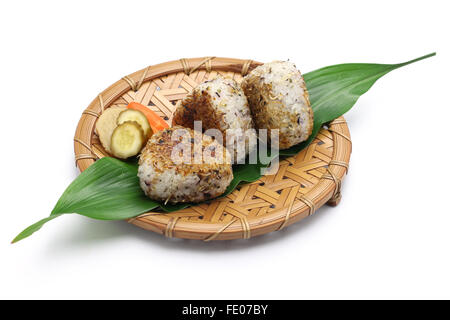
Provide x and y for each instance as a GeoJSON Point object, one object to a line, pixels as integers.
{"type": "Point", "coordinates": [219, 104]}
{"type": "Point", "coordinates": [278, 99]}
{"type": "Point", "coordinates": [164, 179]}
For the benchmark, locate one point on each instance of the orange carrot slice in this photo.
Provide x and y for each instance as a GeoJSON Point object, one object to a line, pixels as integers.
{"type": "Point", "coordinates": [155, 121]}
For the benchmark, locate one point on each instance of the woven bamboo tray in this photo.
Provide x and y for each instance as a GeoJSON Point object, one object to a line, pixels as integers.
{"type": "Point", "coordinates": [302, 184]}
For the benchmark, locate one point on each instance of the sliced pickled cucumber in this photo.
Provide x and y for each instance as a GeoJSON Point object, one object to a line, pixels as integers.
{"type": "Point", "coordinates": [139, 117]}
{"type": "Point", "coordinates": [106, 124]}
{"type": "Point", "coordinates": [127, 140]}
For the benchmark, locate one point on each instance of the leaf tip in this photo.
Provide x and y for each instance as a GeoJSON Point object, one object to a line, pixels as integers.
{"type": "Point", "coordinates": [15, 240]}
{"type": "Point", "coordinates": [418, 59]}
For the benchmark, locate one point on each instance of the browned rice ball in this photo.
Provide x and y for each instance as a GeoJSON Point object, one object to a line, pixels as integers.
{"type": "Point", "coordinates": [278, 99]}
{"type": "Point", "coordinates": [164, 179]}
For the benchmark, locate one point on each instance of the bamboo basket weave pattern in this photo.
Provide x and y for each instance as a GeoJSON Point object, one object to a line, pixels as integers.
{"type": "Point", "coordinates": [302, 184]}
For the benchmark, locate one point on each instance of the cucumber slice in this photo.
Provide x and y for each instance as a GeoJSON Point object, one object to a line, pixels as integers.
{"type": "Point", "coordinates": [127, 140]}
{"type": "Point", "coordinates": [139, 117]}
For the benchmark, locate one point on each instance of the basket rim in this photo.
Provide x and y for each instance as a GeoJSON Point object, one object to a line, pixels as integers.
{"type": "Point", "coordinates": [320, 193]}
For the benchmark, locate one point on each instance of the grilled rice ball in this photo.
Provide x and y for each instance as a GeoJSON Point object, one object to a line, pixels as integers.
{"type": "Point", "coordinates": [168, 179]}
{"type": "Point", "coordinates": [278, 99]}
{"type": "Point", "coordinates": [220, 104]}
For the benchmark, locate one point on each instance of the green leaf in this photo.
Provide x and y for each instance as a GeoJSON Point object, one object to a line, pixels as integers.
{"type": "Point", "coordinates": [335, 89]}
{"type": "Point", "coordinates": [109, 189]}
{"type": "Point", "coordinates": [33, 228]}
{"type": "Point", "coordinates": [244, 173]}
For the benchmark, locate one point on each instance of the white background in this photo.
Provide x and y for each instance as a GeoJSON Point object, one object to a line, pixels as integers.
{"type": "Point", "coordinates": [389, 237]}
